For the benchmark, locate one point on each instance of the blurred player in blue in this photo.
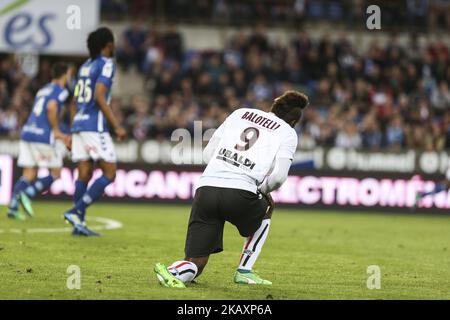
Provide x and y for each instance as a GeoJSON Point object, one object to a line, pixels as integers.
{"type": "Point", "coordinates": [441, 186]}
{"type": "Point", "coordinates": [93, 118]}
{"type": "Point", "coordinates": [42, 143]}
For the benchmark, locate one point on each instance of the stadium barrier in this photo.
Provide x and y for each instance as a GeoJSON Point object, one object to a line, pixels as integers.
{"type": "Point", "coordinates": [154, 152]}
{"type": "Point", "coordinates": [310, 189]}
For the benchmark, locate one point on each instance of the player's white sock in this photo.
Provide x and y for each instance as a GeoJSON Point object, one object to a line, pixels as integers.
{"type": "Point", "coordinates": [253, 246]}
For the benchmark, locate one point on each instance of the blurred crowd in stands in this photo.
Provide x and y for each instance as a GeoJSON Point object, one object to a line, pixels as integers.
{"type": "Point", "coordinates": [388, 97]}
{"type": "Point", "coordinates": [421, 15]}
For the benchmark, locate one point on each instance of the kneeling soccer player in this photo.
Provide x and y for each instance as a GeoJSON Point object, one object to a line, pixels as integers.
{"type": "Point", "coordinates": [42, 144]}
{"type": "Point", "coordinates": [248, 156]}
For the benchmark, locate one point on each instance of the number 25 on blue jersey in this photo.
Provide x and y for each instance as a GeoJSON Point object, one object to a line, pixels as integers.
{"type": "Point", "coordinates": [84, 91]}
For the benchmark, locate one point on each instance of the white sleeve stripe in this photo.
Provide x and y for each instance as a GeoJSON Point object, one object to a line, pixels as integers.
{"type": "Point", "coordinates": [108, 69]}
{"type": "Point", "coordinates": [63, 95]}
{"type": "Point", "coordinates": [100, 121]}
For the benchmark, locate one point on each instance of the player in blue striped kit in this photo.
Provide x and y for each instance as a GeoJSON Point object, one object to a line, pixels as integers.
{"type": "Point", "coordinates": [441, 186]}
{"type": "Point", "coordinates": [91, 124]}
{"type": "Point", "coordinates": [42, 143]}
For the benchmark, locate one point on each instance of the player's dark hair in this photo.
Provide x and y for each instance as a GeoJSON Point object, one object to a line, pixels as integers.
{"type": "Point", "coordinates": [98, 39]}
{"type": "Point", "coordinates": [59, 69]}
{"type": "Point", "coordinates": [290, 105]}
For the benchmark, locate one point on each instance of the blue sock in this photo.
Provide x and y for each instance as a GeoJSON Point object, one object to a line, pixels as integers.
{"type": "Point", "coordinates": [20, 185]}
{"type": "Point", "coordinates": [80, 190]}
{"type": "Point", "coordinates": [39, 186]}
{"type": "Point", "coordinates": [92, 195]}
{"type": "Point", "coordinates": [438, 188]}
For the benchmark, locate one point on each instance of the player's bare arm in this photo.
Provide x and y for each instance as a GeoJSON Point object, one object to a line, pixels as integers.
{"type": "Point", "coordinates": [52, 114]}
{"type": "Point", "coordinates": [73, 106]}
{"type": "Point", "coordinates": [100, 93]}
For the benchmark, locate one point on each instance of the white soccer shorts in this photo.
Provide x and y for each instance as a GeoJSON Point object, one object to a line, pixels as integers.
{"type": "Point", "coordinates": [93, 146]}
{"type": "Point", "coordinates": [42, 155]}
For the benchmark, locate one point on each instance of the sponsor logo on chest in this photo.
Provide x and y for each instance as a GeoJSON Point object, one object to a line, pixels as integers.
{"type": "Point", "coordinates": [235, 159]}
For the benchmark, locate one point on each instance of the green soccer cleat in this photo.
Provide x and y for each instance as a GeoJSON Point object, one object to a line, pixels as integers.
{"type": "Point", "coordinates": [250, 277]}
{"type": "Point", "coordinates": [25, 201]}
{"type": "Point", "coordinates": [16, 215]}
{"type": "Point", "coordinates": [165, 278]}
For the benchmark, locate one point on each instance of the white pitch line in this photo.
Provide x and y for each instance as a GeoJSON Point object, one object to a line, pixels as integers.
{"type": "Point", "coordinates": [109, 224]}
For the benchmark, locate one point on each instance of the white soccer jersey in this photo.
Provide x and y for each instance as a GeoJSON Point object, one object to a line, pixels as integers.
{"type": "Point", "coordinates": [248, 142]}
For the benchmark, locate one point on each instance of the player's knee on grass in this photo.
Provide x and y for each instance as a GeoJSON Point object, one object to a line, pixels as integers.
{"type": "Point", "coordinates": [268, 214]}
{"type": "Point", "coordinates": [199, 262]}
{"type": "Point", "coordinates": [270, 206]}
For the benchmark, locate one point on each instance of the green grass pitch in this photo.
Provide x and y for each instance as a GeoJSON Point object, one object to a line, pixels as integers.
{"type": "Point", "coordinates": [308, 255]}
